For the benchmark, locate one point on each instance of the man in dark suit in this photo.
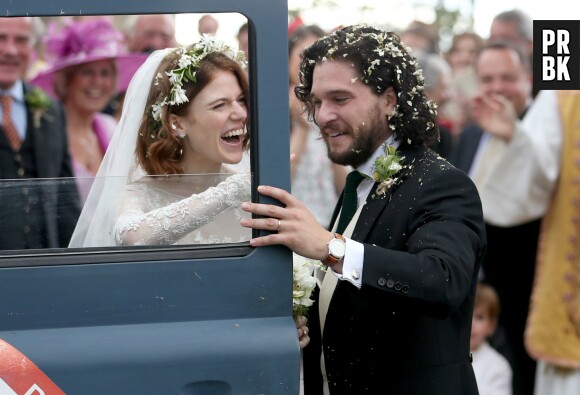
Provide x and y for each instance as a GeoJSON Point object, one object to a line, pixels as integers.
{"type": "Point", "coordinates": [33, 144]}
{"type": "Point", "coordinates": [489, 151]}
{"type": "Point", "coordinates": [393, 314]}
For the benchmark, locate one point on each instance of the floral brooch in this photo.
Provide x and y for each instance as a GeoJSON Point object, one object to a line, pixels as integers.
{"type": "Point", "coordinates": [386, 168]}
{"type": "Point", "coordinates": [38, 102]}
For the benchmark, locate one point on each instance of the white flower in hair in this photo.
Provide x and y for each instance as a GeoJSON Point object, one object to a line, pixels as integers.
{"type": "Point", "coordinates": [206, 43]}
{"type": "Point", "coordinates": [187, 67]}
{"type": "Point", "coordinates": [185, 61]}
{"type": "Point", "coordinates": [156, 111]}
{"type": "Point", "coordinates": [174, 79]}
{"type": "Point", "coordinates": [179, 96]}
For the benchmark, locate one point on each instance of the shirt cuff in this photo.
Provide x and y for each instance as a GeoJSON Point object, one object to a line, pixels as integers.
{"type": "Point", "coordinates": [352, 267]}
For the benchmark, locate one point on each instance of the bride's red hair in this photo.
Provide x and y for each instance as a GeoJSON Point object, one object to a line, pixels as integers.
{"type": "Point", "coordinates": [158, 148]}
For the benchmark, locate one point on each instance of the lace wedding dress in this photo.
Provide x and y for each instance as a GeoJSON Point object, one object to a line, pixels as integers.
{"type": "Point", "coordinates": [157, 211]}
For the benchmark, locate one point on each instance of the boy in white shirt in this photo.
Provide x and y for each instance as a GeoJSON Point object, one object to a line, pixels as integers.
{"type": "Point", "coordinates": [492, 371]}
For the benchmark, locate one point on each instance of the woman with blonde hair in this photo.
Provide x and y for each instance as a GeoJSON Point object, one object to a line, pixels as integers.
{"type": "Point", "coordinates": [87, 66]}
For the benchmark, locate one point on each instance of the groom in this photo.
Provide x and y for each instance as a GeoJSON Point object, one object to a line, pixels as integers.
{"type": "Point", "coordinates": [393, 314]}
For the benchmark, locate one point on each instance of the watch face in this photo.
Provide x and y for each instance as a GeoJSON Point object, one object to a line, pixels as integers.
{"type": "Point", "coordinates": [336, 248]}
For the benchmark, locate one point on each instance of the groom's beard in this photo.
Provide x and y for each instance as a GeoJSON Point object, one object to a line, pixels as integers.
{"type": "Point", "coordinates": [366, 139]}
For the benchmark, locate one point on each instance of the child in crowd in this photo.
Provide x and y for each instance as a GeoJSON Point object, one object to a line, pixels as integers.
{"type": "Point", "coordinates": [492, 371]}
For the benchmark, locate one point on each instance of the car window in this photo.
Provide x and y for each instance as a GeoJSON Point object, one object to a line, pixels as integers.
{"type": "Point", "coordinates": [186, 209]}
{"type": "Point", "coordinates": [155, 319]}
{"type": "Point", "coordinates": [45, 214]}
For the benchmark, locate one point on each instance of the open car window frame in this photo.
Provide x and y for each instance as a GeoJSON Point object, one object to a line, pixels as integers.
{"type": "Point", "coordinates": [176, 319]}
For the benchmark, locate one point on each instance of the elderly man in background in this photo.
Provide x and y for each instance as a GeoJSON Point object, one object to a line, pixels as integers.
{"type": "Point", "coordinates": [33, 144]}
{"type": "Point", "coordinates": [148, 33]}
{"type": "Point", "coordinates": [144, 33]}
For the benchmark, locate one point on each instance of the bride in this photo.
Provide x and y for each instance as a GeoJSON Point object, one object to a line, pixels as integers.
{"type": "Point", "coordinates": [185, 113]}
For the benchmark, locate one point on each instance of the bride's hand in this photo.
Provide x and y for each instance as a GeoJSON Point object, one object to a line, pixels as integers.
{"type": "Point", "coordinates": [302, 330]}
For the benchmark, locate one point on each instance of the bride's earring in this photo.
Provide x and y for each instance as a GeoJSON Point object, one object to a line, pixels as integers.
{"type": "Point", "coordinates": [180, 134]}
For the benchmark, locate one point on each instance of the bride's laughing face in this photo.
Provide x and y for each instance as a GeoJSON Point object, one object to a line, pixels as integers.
{"type": "Point", "coordinates": [214, 125]}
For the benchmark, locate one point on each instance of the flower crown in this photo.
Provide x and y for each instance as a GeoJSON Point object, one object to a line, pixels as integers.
{"type": "Point", "coordinates": [188, 65]}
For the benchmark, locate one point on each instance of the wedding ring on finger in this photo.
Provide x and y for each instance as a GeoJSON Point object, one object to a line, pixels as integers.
{"type": "Point", "coordinates": [279, 224]}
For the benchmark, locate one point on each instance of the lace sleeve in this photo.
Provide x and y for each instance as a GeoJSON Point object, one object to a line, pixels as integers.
{"type": "Point", "coordinates": [166, 225]}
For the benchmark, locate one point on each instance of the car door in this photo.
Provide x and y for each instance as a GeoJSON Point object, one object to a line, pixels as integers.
{"type": "Point", "coordinates": [191, 319]}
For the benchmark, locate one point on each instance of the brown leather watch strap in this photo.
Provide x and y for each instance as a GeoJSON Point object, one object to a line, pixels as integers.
{"type": "Point", "coordinates": [331, 260]}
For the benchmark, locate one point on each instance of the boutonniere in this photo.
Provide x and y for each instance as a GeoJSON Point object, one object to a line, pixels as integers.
{"type": "Point", "coordinates": [386, 169]}
{"type": "Point", "coordinates": [38, 102]}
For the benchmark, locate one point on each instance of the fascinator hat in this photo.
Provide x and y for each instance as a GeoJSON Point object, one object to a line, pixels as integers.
{"type": "Point", "coordinates": [84, 42]}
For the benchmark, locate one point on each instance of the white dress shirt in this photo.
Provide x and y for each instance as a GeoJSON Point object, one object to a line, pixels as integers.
{"type": "Point", "coordinates": [352, 267]}
{"type": "Point", "coordinates": [522, 183]}
{"type": "Point", "coordinates": [492, 371]}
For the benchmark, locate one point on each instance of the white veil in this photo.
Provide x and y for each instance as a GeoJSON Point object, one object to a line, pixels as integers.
{"type": "Point", "coordinates": [96, 222]}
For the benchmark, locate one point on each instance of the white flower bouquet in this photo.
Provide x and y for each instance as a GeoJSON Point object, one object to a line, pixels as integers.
{"type": "Point", "coordinates": [303, 284]}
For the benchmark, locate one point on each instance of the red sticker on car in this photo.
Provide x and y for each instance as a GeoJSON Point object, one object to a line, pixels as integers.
{"type": "Point", "coordinates": [20, 376]}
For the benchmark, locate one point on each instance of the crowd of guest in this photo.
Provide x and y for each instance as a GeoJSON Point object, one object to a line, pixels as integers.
{"type": "Point", "coordinates": [501, 127]}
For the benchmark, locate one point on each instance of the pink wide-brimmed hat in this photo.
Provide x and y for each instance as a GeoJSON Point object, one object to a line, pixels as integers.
{"type": "Point", "coordinates": [84, 42]}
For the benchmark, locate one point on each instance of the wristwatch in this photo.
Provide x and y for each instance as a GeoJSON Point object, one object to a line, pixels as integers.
{"type": "Point", "coordinates": [336, 250]}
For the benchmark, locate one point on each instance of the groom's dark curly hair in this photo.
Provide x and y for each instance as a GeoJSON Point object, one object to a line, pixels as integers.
{"type": "Point", "coordinates": [381, 61]}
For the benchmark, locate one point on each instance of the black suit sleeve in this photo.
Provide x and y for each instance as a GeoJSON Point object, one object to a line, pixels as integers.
{"type": "Point", "coordinates": [429, 242]}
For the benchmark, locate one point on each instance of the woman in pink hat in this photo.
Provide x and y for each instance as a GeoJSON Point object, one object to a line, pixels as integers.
{"type": "Point", "coordinates": [87, 66]}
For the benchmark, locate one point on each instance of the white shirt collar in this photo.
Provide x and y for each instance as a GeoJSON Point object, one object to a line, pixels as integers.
{"type": "Point", "coordinates": [16, 91]}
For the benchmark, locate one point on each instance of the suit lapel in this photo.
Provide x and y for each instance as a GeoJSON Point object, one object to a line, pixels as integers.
{"type": "Point", "coordinates": [370, 213]}
{"type": "Point", "coordinates": [41, 141]}
{"type": "Point", "coordinates": [41, 150]}
{"type": "Point", "coordinates": [375, 204]}
{"type": "Point", "coordinates": [470, 146]}
{"type": "Point", "coordinates": [336, 211]}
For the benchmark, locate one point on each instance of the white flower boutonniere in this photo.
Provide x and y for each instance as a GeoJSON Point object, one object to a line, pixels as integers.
{"type": "Point", "coordinates": [303, 283]}
{"type": "Point", "coordinates": [38, 102]}
{"type": "Point", "coordinates": [386, 168]}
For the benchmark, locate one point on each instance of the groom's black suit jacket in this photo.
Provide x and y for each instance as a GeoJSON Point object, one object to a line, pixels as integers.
{"type": "Point", "coordinates": [407, 330]}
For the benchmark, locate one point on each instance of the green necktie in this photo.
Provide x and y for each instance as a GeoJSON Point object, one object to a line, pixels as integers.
{"type": "Point", "coordinates": [349, 200]}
